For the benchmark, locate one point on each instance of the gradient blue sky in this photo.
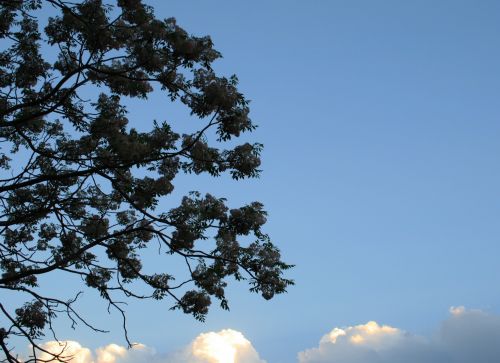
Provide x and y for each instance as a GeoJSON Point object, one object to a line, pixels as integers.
{"type": "Point", "coordinates": [381, 126]}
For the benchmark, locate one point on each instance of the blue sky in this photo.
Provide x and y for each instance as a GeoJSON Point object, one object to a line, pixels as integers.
{"type": "Point", "coordinates": [380, 121]}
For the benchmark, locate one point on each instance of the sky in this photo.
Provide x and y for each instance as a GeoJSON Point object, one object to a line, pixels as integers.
{"type": "Point", "coordinates": [381, 176]}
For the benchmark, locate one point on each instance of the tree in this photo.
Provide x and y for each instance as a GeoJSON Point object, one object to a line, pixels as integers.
{"type": "Point", "coordinates": [80, 188]}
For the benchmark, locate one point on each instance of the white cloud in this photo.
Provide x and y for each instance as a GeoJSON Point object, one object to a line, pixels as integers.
{"type": "Point", "coordinates": [226, 346]}
{"type": "Point", "coordinates": [466, 336]}
{"type": "Point", "coordinates": [114, 353]}
{"type": "Point", "coordinates": [68, 348]}
{"type": "Point", "coordinates": [365, 343]}
{"type": "Point", "coordinates": [111, 353]}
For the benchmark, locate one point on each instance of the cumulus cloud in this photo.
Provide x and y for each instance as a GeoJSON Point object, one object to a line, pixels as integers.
{"type": "Point", "coordinates": [65, 349]}
{"type": "Point", "coordinates": [112, 353]}
{"type": "Point", "coordinates": [466, 336]}
{"type": "Point", "coordinates": [225, 346]}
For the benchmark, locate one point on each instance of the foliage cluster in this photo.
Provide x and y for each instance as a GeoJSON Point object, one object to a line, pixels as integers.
{"type": "Point", "coordinates": [80, 188]}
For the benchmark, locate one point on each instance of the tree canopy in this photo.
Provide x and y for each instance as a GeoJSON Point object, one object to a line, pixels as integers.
{"type": "Point", "coordinates": [80, 188]}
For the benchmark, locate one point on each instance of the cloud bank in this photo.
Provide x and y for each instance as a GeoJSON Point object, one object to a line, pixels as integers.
{"type": "Point", "coordinates": [466, 336]}
{"type": "Point", "coordinates": [225, 346]}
